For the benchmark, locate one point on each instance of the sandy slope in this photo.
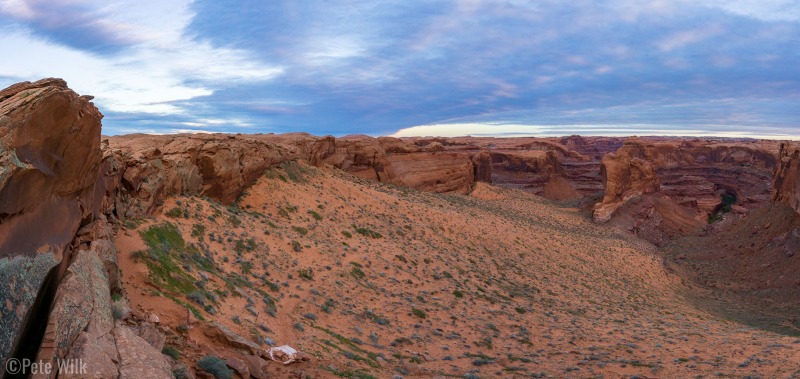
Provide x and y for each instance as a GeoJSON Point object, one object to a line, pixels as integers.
{"type": "Point", "coordinates": [497, 284]}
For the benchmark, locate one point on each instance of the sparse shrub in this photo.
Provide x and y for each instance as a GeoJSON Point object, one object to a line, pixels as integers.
{"type": "Point", "coordinates": [347, 234]}
{"type": "Point", "coordinates": [316, 215]}
{"type": "Point", "coordinates": [296, 246]}
{"type": "Point", "coordinates": [182, 372]}
{"type": "Point", "coordinates": [117, 310]}
{"type": "Point", "coordinates": [419, 313]}
{"type": "Point", "coordinates": [357, 273]}
{"type": "Point", "coordinates": [301, 230]}
{"type": "Point", "coordinates": [458, 294]}
{"type": "Point", "coordinates": [197, 297]}
{"type": "Point", "coordinates": [367, 232]}
{"type": "Point", "coordinates": [176, 212]}
{"type": "Point", "coordinates": [171, 352]}
{"type": "Point", "coordinates": [216, 367]}
{"type": "Point", "coordinates": [306, 273]}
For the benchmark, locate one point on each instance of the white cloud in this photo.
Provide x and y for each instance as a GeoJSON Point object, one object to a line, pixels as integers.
{"type": "Point", "coordinates": [610, 130]}
{"type": "Point", "coordinates": [768, 10]}
{"type": "Point", "coordinates": [687, 37]}
{"type": "Point", "coordinates": [148, 77]}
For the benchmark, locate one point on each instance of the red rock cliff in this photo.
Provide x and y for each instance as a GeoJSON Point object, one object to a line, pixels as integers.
{"type": "Point", "coordinates": [786, 179]}
{"type": "Point", "coordinates": [625, 175]}
{"type": "Point", "coordinates": [49, 157]}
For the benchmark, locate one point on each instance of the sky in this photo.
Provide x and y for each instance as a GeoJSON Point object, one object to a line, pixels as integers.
{"type": "Point", "coordinates": [433, 67]}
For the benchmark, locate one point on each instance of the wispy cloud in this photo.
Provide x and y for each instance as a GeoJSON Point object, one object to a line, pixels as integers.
{"type": "Point", "coordinates": [150, 64]}
{"type": "Point", "coordinates": [377, 67]}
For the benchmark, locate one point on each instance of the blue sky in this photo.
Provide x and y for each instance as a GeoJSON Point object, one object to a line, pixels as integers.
{"type": "Point", "coordinates": [617, 67]}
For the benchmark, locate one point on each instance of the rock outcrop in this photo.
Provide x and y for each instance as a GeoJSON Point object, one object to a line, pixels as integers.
{"type": "Point", "coordinates": [625, 176]}
{"type": "Point", "coordinates": [49, 160]}
{"type": "Point", "coordinates": [693, 173]}
{"type": "Point", "coordinates": [58, 264]}
{"type": "Point", "coordinates": [139, 171]}
{"type": "Point", "coordinates": [63, 190]}
{"type": "Point", "coordinates": [786, 179]}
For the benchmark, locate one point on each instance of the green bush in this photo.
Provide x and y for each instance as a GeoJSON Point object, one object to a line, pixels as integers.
{"type": "Point", "coordinates": [306, 273]}
{"type": "Point", "coordinates": [367, 232]}
{"type": "Point", "coordinates": [357, 273]}
{"type": "Point", "coordinates": [172, 352]}
{"type": "Point", "coordinates": [216, 367]}
{"type": "Point", "coordinates": [316, 215]}
{"type": "Point", "coordinates": [176, 212]}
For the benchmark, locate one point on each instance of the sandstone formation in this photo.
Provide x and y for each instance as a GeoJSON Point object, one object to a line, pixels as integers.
{"type": "Point", "coordinates": [49, 159]}
{"type": "Point", "coordinates": [786, 179]}
{"type": "Point", "coordinates": [625, 176]}
{"type": "Point", "coordinates": [64, 193]}
{"type": "Point", "coordinates": [691, 172]}
{"type": "Point", "coordinates": [57, 257]}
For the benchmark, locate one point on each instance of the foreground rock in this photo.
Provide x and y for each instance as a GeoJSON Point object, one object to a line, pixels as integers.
{"type": "Point", "coordinates": [49, 159]}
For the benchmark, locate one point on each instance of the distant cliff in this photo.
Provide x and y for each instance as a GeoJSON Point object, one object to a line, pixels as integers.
{"type": "Point", "coordinates": [787, 177]}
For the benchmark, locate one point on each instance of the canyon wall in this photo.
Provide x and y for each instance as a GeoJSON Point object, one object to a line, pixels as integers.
{"type": "Point", "coordinates": [64, 190]}
{"type": "Point", "coordinates": [693, 173]}
{"type": "Point", "coordinates": [786, 179]}
{"type": "Point", "coordinates": [49, 160]}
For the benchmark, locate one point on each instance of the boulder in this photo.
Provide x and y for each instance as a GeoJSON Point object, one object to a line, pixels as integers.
{"type": "Point", "coordinates": [49, 161]}
{"type": "Point", "coordinates": [81, 317]}
{"type": "Point", "coordinates": [138, 359]}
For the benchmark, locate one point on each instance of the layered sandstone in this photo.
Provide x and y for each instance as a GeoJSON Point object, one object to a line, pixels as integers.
{"type": "Point", "coordinates": [139, 171]}
{"type": "Point", "coordinates": [49, 160]}
{"type": "Point", "coordinates": [691, 172]}
{"type": "Point", "coordinates": [786, 179]}
{"type": "Point", "coordinates": [625, 176]}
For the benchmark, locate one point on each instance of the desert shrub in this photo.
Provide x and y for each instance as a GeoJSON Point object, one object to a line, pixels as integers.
{"type": "Point", "coordinates": [419, 313]}
{"type": "Point", "coordinates": [216, 367]}
{"type": "Point", "coordinates": [197, 297]}
{"type": "Point", "coordinates": [306, 273]}
{"type": "Point", "coordinates": [171, 352]}
{"type": "Point", "coordinates": [296, 246]}
{"type": "Point", "coordinates": [368, 232]}
{"type": "Point", "coordinates": [117, 310]}
{"type": "Point", "coordinates": [176, 212]}
{"type": "Point", "coordinates": [357, 273]}
{"type": "Point", "coordinates": [316, 215]}
{"type": "Point", "coordinates": [182, 372]}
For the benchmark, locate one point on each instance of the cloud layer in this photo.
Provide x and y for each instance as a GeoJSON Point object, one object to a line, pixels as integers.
{"type": "Point", "coordinates": [343, 67]}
